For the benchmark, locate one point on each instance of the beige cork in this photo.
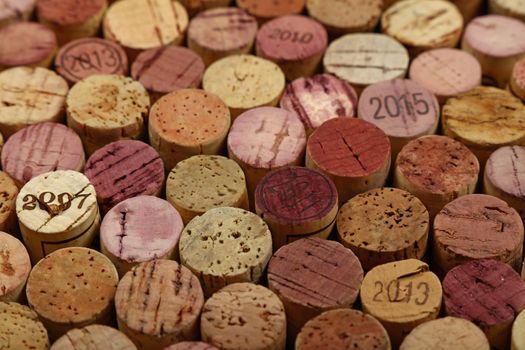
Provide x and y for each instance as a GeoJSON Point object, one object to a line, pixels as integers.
{"type": "Point", "coordinates": [29, 96]}
{"type": "Point", "coordinates": [188, 122]}
{"type": "Point", "coordinates": [191, 345]}
{"type": "Point", "coordinates": [384, 225]}
{"type": "Point", "coordinates": [195, 6]}
{"type": "Point", "coordinates": [510, 8]}
{"type": "Point", "coordinates": [20, 328]}
{"type": "Point", "coordinates": [94, 337]}
{"type": "Point", "coordinates": [401, 295]}
{"type": "Point", "coordinates": [203, 182]}
{"type": "Point", "coordinates": [14, 268]}
{"type": "Point", "coordinates": [56, 210]}
{"type": "Point", "coordinates": [518, 332]}
{"type": "Point", "coordinates": [106, 108]}
{"type": "Point", "coordinates": [8, 193]}
{"type": "Point", "coordinates": [224, 246]}
{"type": "Point", "coordinates": [244, 316]}
{"type": "Point", "coordinates": [158, 303]}
{"type": "Point", "coordinates": [244, 82]}
{"type": "Point", "coordinates": [72, 288]}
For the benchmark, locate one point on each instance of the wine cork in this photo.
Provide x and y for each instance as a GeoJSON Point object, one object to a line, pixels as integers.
{"type": "Point", "coordinates": [20, 328]}
{"type": "Point", "coordinates": [384, 225]}
{"type": "Point", "coordinates": [488, 293]}
{"type": "Point", "coordinates": [244, 82]}
{"type": "Point", "coordinates": [313, 275]}
{"type": "Point", "coordinates": [295, 43]}
{"type": "Point", "coordinates": [343, 329]}
{"type": "Point", "coordinates": [16, 10]}
{"type": "Point", "coordinates": [263, 139]}
{"type": "Point", "coordinates": [105, 108]}
{"type": "Point", "coordinates": [72, 288]}
{"type": "Point", "coordinates": [30, 96]}
{"type": "Point", "coordinates": [265, 10]}
{"type": "Point", "coordinates": [41, 148]}
{"type": "Point", "coordinates": [401, 295]}
{"type": "Point", "coordinates": [188, 122]}
{"type": "Point", "coordinates": [497, 42]}
{"type": "Point", "coordinates": [518, 333]}
{"type": "Point", "coordinates": [319, 98]}
{"type": "Point", "coordinates": [469, 8]}
{"type": "Point", "coordinates": [485, 119]}
{"type": "Point", "coordinates": [244, 316]}
{"type": "Point", "coordinates": [195, 6]}
{"type": "Point", "coordinates": [167, 69]}
{"type": "Point", "coordinates": [366, 58]}
{"type": "Point", "coordinates": [436, 169]}
{"type": "Point", "coordinates": [158, 303]}
{"type": "Point", "coordinates": [510, 8]}
{"type": "Point", "coordinates": [139, 25]}
{"type": "Point", "coordinates": [402, 108]}
{"type": "Point", "coordinates": [82, 58]}
{"type": "Point", "coordinates": [191, 345]}
{"type": "Point", "coordinates": [124, 169]}
{"type": "Point", "coordinates": [140, 229]}
{"type": "Point", "coordinates": [296, 202]}
{"type": "Point", "coordinates": [221, 32]}
{"type": "Point", "coordinates": [422, 26]}
{"type": "Point", "coordinates": [14, 268]}
{"type": "Point", "coordinates": [26, 44]}
{"type": "Point", "coordinates": [517, 81]}
{"type": "Point", "coordinates": [93, 337]}
{"type": "Point", "coordinates": [8, 194]}
{"type": "Point", "coordinates": [56, 210]}
{"type": "Point", "coordinates": [446, 72]}
{"type": "Point", "coordinates": [201, 183]}
{"type": "Point", "coordinates": [446, 333]}
{"type": "Point", "coordinates": [225, 245]}
{"type": "Point", "coordinates": [354, 153]}
{"type": "Point", "coordinates": [349, 16]}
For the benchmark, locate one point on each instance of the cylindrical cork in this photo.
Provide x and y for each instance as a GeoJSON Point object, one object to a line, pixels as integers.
{"type": "Point", "coordinates": [14, 268]}
{"type": "Point", "coordinates": [41, 148]}
{"type": "Point", "coordinates": [436, 169]}
{"type": "Point", "coordinates": [139, 25]}
{"type": "Point", "coordinates": [244, 82]}
{"type": "Point", "coordinates": [343, 329]}
{"type": "Point", "coordinates": [488, 293]}
{"type": "Point", "coordinates": [158, 303]}
{"type": "Point", "coordinates": [89, 56]}
{"type": "Point", "coordinates": [56, 210]}
{"type": "Point", "coordinates": [313, 275]}
{"type": "Point", "coordinates": [384, 225]}
{"type": "Point", "coordinates": [401, 295]}
{"type": "Point", "coordinates": [124, 169]}
{"type": "Point", "coordinates": [72, 288]}
{"type": "Point", "coordinates": [140, 229]}
{"type": "Point", "coordinates": [167, 69]}
{"type": "Point", "coordinates": [469, 8]}
{"type": "Point", "coordinates": [510, 8]}
{"type": "Point", "coordinates": [20, 328]}
{"type": "Point", "coordinates": [263, 139]}
{"type": "Point", "coordinates": [200, 183]}
{"type": "Point", "coordinates": [94, 337]}
{"type": "Point", "coordinates": [191, 345]}
{"type": "Point", "coordinates": [446, 72]}
{"type": "Point", "coordinates": [354, 153]}
{"type": "Point", "coordinates": [244, 316]}
{"type": "Point", "coordinates": [195, 6]}
{"type": "Point", "coordinates": [265, 10]}
{"type": "Point", "coordinates": [497, 42]}
{"type": "Point", "coordinates": [224, 246]}
{"type": "Point", "coordinates": [188, 122]}
{"type": "Point", "coordinates": [422, 26]}
{"type": "Point", "coordinates": [105, 108]}
{"type": "Point", "coordinates": [517, 80]}
{"type": "Point", "coordinates": [485, 119]}
{"type": "Point", "coordinates": [29, 96]}
{"type": "Point", "coordinates": [366, 58]}
{"type": "Point", "coordinates": [446, 333]}
{"type": "Point", "coordinates": [518, 332]}
{"type": "Point", "coordinates": [319, 98]}
{"type": "Point", "coordinates": [8, 194]}
{"type": "Point", "coordinates": [26, 44]}
{"type": "Point", "coordinates": [402, 108]}
{"type": "Point", "coordinates": [221, 32]}
{"type": "Point", "coordinates": [295, 43]}
{"type": "Point", "coordinates": [16, 10]}
{"type": "Point", "coordinates": [296, 202]}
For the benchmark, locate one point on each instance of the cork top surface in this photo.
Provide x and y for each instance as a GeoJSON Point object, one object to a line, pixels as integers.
{"type": "Point", "coordinates": [12, 8]}
{"type": "Point", "coordinates": [268, 9]}
{"type": "Point", "coordinates": [316, 273]}
{"type": "Point", "coordinates": [518, 74]}
{"type": "Point", "coordinates": [26, 43]}
{"type": "Point", "coordinates": [8, 194]}
{"type": "Point", "coordinates": [146, 303]}
{"type": "Point", "coordinates": [191, 345]}
{"type": "Point", "coordinates": [346, 14]}
{"type": "Point", "coordinates": [69, 13]}
{"type": "Point", "coordinates": [505, 169]}
{"type": "Point", "coordinates": [190, 117]}
{"type": "Point", "coordinates": [438, 164]}
{"type": "Point", "coordinates": [20, 328]}
{"type": "Point", "coordinates": [72, 285]}
{"type": "Point", "coordinates": [518, 336]}
{"type": "Point", "coordinates": [514, 7]}
{"type": "Point", "coordinates": [94, 337]}
{"type": "Point", "coordinates": [14, 263]}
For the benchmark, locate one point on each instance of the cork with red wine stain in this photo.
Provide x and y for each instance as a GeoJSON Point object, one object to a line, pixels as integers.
{"type": "Point", "coordinates": [16, 10]}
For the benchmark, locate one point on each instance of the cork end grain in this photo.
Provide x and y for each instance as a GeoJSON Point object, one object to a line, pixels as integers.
{"type": "Point", "coordinates": [346, 16]}
{"type": "Point", "coordinates": [14, 267]}
{"type": "Point", "coordinates": [20, 328]}
{"type": "Point", "coordinates": [94, 337]}
{"type": "Point", "coordinates": [8, 194]}
{"type": "Point", "coordinates": [69, 13]}
{"type": "Point", "coordinates": [518, 334]}
{"type": "Point", "coordinates": [269, 9]}
{"type": "Point", "coordinates": [505, 170]}
{"type": "Point", "coordinates": [191, 345]}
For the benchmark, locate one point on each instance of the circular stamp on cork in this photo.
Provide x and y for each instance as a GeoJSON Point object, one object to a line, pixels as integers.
{"type": "Point", "coordinates": [14, 268]}
{"type": "Point", "coordinates": [517, 80]}
{"type": "Point", "coordinates": [97, 336]}
{"type": "Point", "coordinates": [20, 328]}
{"type": "Point", "coordinates": [8, 194]}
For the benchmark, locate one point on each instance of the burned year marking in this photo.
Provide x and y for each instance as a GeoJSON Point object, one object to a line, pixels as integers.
{"type": "Point", "coordinates": [393, 292]}
{"type": "Point", "coordinates": [44, 199]}
{"type": "Point", "coordinates": [293, 36]}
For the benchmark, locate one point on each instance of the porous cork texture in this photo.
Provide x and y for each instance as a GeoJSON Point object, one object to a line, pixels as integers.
{"type": "Point", "coordinates": [93, 337]}
{"type": "Point", "coordinates": [191, 345]}
{"type": "Point", "coordinates": [14, 267]}
{"type": "Point", "coordinates": [268, 9]}
{"type": "Point", "coordinates": [20, 328]}
{"type": "Point", "coordinates": [66, 13]}
{"type": "Point", "coordinates": [8, 194]}
{"type": "Point", "coordinates": [16, 10]}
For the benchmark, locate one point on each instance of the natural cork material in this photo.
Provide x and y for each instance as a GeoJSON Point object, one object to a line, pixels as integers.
{"type": "Point", "coordinates": [265, 10]}
{"type": "Point", "coordinates": [8, 194]}
{"type": "Point", "coordinates": [93, 337]}
{"type": "Point", "coordinates": [20, 328]}
{"type": "Point", "coordinates": [191, 345]}
{"type": "Point", "coordinates": [16, 10]}
{"type": "Point", "coordinates": [196, 6]}
{"type": "Point", "coordinates": [517, 81]}
{"type": "Point", "coordinates": [14, 268]}
{"type": "Point", "coordinates": [511, 8]}
{"type": "Point", "coordinates": [518, 332]}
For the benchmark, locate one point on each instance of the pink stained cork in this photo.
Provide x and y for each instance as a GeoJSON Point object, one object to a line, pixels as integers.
{"type": "Point", "coordinates": [15, 10]}
{"type": "Point", "coordinates": [67, 13]}
{"type": "Point", "coordinates": [517, 80]}
{"type": "Point", "coordinates": [273, 8]}
{"type": "Point", "coordinates": [41, 148]}
{"type": "Point", "coordinates": [319, 98]}
{"type": "Point", "coordinates": [124, 169]}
